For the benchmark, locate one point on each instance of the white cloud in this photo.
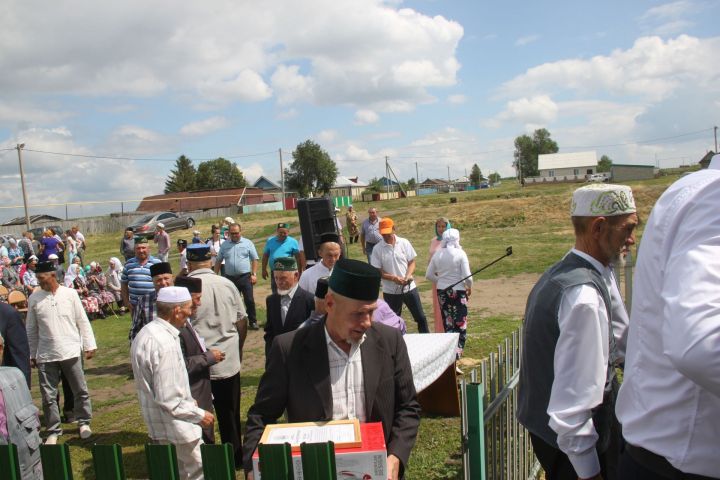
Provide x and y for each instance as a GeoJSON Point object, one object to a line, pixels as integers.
{"type": "Point", "coordinates": [457, 99]}
{"type": "Point", "coordinates": [14, 115]}
{"type": "Point", "coordinates": [527, 39]}
{"type": "Point", "coordinates": [327, 136]}
{"type": "Point", "coordinates": [537, 110]}
{"type": "Point", "coordinates": [135, 140]}
{"type": "Point", "coordinates": [652, 69]}
{"type": "Point", "coordinates": [203, 127]}
{"type": "Point", "coordinates": [366, 117]}
{"type": "Point", "coordinates": [80, 179]}
{"type": "Point", "coordinates": [253, 172]}
{"type": "Point", "coordinates": [349, 52]}
{"type": "Point", "coordinates": [670, 10]}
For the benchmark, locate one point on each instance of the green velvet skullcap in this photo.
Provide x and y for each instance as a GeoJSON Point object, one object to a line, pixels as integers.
{"type": "Point", "coordinates": [355, 279]}
{"type": "Point", "coordinates": [285, 264]}
{"type": "Point", "coordinates": [140, 240]}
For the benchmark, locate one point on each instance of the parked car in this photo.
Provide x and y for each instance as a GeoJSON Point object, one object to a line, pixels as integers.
{"type": "Point", "coordinates": [145, 226]}
{"type": "Point", "coordinates": [38, 231]}
{"type": "Point", "coordinates": [597, 178]}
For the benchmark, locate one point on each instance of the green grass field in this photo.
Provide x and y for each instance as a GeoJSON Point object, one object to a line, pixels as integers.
{"type": "Point", "coordinates": [533, 220]}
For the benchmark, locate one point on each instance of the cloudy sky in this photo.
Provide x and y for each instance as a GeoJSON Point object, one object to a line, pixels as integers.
{"type": "Point", "coordinates": [427, 82]}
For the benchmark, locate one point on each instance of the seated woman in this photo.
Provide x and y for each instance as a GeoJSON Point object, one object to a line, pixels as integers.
{"type": "Point", "coordinates": [15, 253]}
{"type": "Point", "coordinates": [10, 277]}
{"type": "Point", "coordinates": [113, 281]}
{"type": "Point", "coordinates": [90, 304]}
{"type": "Point", "coordinates": [97, 283]}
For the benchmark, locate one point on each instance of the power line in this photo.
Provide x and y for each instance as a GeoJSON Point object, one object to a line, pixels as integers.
{"type": "Point", "coordinates": [105, 157]}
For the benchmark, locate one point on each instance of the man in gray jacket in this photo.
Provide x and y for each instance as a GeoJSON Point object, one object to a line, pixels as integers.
{"type": "Point", "coordinates": [19, 423]}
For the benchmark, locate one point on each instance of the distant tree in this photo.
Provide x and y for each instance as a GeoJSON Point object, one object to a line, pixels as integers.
{"type": "Point", "coordinates": [528, 148]}
{"type": "Point", "coordinates": [182, 178]}
{"type": "Point", "coordinates": [475, 176]}
{"type": "Point", "coordinates": [375, 185]}
{"type": "Point", "coordinates": [219, 173]}
{"type": "Point", "coordinates": [411, 184]}
{"type": "Point", "coordinates": [312, 170]}
{"type": "Point", "coordinates": [605, 164]}
{"type": "Point", "coordinates": [493, 178]}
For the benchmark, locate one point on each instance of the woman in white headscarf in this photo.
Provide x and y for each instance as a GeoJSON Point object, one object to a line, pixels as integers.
{"type": "Point", "coordinates": [449, 270]}
{"type": "Point", "coordinates": [115, 269]}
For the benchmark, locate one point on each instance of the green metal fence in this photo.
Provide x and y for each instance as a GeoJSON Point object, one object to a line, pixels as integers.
{"type": "Point", "coordinates": [495, 445]}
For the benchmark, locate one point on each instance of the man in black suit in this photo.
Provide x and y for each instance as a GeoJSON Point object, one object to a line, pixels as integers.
{"type": "Point", "coordinates": [290, 306]}
{"type": "Point", "coordinates": [17, 350]}
{"type": "Point", "coordinates": [198, 358]}
{"type": "Point", "coordinates": [346, 367]}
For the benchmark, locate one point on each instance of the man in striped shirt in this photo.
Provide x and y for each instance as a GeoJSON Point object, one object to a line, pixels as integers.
{"type": "Point", "coordinates": [136, 280]}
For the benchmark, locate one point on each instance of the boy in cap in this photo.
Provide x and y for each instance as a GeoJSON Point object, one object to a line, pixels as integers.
{"type": "Point", "coordinates": [127, 244]}
{"type": "Point", "coordinates": [290, 305]}
{"type": "Point", "coordinates": [162, 238]}
{"type": "Point", "coordinates": [168, 408]}
{"type": "Point", "coordinates": [346, 367]}
{"type": "Point", "coordinates": [280, 245]}
{"type": "Point", "coordinates": [58, 332]}
{"type": "Point", "coordinates": [574, 336]}
{"type": "Point", "coordinates": [181, 246]}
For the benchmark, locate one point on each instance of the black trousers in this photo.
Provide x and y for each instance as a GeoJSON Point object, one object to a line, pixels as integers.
{"type": "Point", "coordinates": [226, 400]}
{"type": "Point", "coordinates": [557, 465]}
{"type": "Point", "coordinates": [655, 469]}
{"type": "Point", "coordinates": [412, 300]}
{"type": "Point", "coordinates": [245, 287]}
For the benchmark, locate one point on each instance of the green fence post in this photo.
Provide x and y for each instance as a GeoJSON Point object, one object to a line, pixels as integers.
{"type": "Point", "coordinates": [9, 463]}
{"type": "Point", "coordinates": [56, 462]}
{"type": "Point", "coordinates": [107, 462]}
{"type": "Point", "coordinates": [218, 461]}
{"type": "Point", "coordinates": [318, 461]}
{"type": "Point", "coordinates": [476, 430]}
{"type": "Point", "coordinates": [276, 461]}
{"type": "Point", "coordinates": [161, 462]}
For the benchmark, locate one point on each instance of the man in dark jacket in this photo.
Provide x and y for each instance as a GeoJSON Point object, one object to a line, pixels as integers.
{"type": "Point", "coordinates": [17, 351]}
{"type": "Point", "coordinates": [303, 376]}
{"type": "Point", "coordinates": [290, 306]}
{"type": "Point", "coordinates": [198, 359]}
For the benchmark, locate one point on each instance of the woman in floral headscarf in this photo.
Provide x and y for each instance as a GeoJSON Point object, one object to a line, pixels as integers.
{"type": "Point", "coordinates": [97, 283]}
{"type": "Point", "coordinates": [73, 279]}
{"type": "Point", "coordinates": [441, 224]}
{"type": "Point", "coordinates": [114, 272]}
{"type": "Point", "coordinates": [449, 269]}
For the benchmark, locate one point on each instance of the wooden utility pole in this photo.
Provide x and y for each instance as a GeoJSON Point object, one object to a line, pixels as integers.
{"type": "Point", "coordinates": [282, 178]}
{"type": "Point", "coordinates": [20, 146]}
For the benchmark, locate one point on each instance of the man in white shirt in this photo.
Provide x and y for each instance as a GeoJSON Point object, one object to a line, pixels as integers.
{"type": "Point", "coordinates": [169, 411]}
{"type": "Point", "coordinates": [81, 244]}
{"type": "Point", "coordinates": [574, 335]}
{"type": "Point", "coordinates": [395, 257]}
{"type": "Point", "coordinates": [58, 332]}
{"type": "Point", "coordinates": [329, 251]}
{"type": "Point", "coordinates": [669, 403]}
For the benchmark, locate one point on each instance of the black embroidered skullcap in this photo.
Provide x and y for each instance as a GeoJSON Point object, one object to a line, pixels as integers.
{"type": "Point", "coordinates": [193, 284]}
{"type": "Point", "coordinates": [321, 288]}
{"type": "Point", "coordinates": [355, 279]}
{"type": "Point", "coordinates": [329, 237]}
{"type": "Point", "coordinates": [160, 268]}
{"type": "Point", "coordinates": [45, 267]}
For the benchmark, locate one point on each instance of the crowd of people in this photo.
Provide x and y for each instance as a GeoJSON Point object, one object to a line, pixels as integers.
{"type": "Point", "coordinates": [334, 350]}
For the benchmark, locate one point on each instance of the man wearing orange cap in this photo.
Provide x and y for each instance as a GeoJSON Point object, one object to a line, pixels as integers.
{"type": "Point", "coordinates": [395, 258]}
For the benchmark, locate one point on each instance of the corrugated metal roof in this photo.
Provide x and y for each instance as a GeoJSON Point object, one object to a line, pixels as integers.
{"type": "Point", "coordinates": [201, 200]}
{"type": "Point", "coordinates": [555, 161]}
{"type": "Point", "coordinates": [344, 182]}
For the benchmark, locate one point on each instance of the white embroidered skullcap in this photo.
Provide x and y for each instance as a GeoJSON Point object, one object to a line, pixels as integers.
{"type": "Point", "coordinates": [602, 200]}
{"type": "Point", "coordinates": [174, 295]}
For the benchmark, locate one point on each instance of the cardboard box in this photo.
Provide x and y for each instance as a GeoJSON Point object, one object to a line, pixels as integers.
{"type": "Point", "coordinates": [367, 462]}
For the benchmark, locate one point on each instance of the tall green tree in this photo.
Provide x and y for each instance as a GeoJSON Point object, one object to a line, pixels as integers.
{"type": "Point", "coordinates": [528, 148]}
{"type": "Point", "coordinates": [219, 173]}
{"type": "Point", "coordinates": [312, 171]}
{"type": "Point", "coordinates": [493, 178]}
{"type": "Point", "coordinates": [411, 184]}
{"type": "Point", "coordinates": [605, 164]}
{"type": "Point", "coordinates": [475, 175]}
{"type": "Point", "coordinates": [182, 178]}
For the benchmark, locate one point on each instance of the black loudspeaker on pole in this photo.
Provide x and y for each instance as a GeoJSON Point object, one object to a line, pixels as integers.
{"type": "Point", "coordinates": [317, 216]}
